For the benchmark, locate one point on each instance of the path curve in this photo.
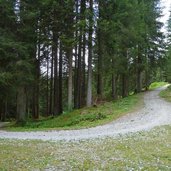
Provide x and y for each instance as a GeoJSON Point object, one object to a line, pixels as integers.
{"type": "Point", "coordinates": [156, 112]}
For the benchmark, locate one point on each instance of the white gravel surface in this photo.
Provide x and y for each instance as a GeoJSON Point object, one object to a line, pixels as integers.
{"type": "Point", "coordinates": [156, 112]}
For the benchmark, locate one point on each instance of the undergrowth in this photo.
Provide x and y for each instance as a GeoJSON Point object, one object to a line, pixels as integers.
{"type": "Point", "coordinates": [90, 117]}
{"type": "Point", "coordinates": [86, 117]}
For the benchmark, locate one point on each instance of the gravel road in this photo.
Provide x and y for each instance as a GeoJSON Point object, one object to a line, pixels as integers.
{"type": "Point", "coordinates": [156, 112]}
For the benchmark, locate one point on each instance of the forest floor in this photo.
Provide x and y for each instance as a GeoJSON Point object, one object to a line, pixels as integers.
{"type": "Point", "coordinates": [114, 146]}
{"type": "Point", "coordinates": [156, 112]}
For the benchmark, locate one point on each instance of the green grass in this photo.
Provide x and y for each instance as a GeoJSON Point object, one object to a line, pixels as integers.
{"type": "Point", "coordinates": [166, 94]}
{"type": "Point", "coordinates": [86, 117]}
{"type": "Point", "coordinates": [141, 151]}
{"type": "Point", "coordinates": [157, 85]}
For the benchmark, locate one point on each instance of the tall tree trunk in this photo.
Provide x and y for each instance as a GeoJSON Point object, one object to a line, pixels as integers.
{"type": "Point", "coordinates": [138, 72]}
{"type": "Point", "coordinates": [79, 72]}
{"type": "Point", "coordinates": [84, 73]}
{"type": "Point", "coordinates": [139, 83]}
{"type": "Point", "coordinates": [21, 105]}
{"type": "Point", "coordinates": [36, 116]}
{"type": "Point", "coordinates": [47, 86]}
{"type": "Point", "coordinates": [3, 110]}
{"type": "Point", "coordinates": [89, 84]}
{"type": "Point", "coordinates": [124, 85]}
{"type": "Point", "coordinates": [60, 78]}
{"type": "Point", "coordinates": [28, 102]}
{"type": "Point", "coordinates": [35, 107]}
{"type": "Point", "coordinates": [99, 75]}
{"type": "Point", "coordinates": [100, 54]}
{"type": "Point", "coordinates": [51, 86]}
{"type": "Point", "coordinates": [147, 74]}
{"type": "Point", "coordinates": [113, 80]}
{"type": "Point", "coordinates": [114, 96]}
{"type": "Point", "coordinates": [81, 64]}
{"type": "Point", "coordinates": [83, 96]}
{"type": "Point", "coordinates": [75, 78]}
{"type": "Point", "coordinates": [76, 59]}
{"type": "Point", "coordinates": [69, 54]}
{"type": "Point", "coordinates": [56, 83]}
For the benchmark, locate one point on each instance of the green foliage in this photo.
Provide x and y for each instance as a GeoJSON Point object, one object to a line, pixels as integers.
{"type": "Point", "coordinates": [157, 85]}
{"type": "Point", "coordinates": [5, 79]}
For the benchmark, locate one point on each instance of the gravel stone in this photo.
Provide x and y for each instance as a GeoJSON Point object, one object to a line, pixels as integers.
{"type": "Point", "coordinates": [156, 112]}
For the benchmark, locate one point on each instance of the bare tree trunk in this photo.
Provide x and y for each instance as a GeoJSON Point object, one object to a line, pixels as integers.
{"type": "Point", "coordinates": [114, 96]}
{"type": "Point", "coordinates": [79, 72]}
{"type": "Point", "coordinates": [56, 83]}
{"type": "Point", "coordinates": [76, 60]}
{"type": "Point", "coordinates": [28, 102]}
{"type": "Point", "coordinates": [99, 75]}
{"type": "Point", "coordinates": [124, 85]}
{"type": "Point", "coordinates": [3, 110]}
{"type": "Point", "coordinates": [138, 72]}
{"type": "Point", "coordinates": [84, 73]}
{"type": "Point", "coordinates": [60, 78]}
{"type": "Point", "coordinates": [36, 116]}
{"type": "Point", "coordinates": [83, 90]}
{"type": "Point", "coordinates": [51, 86]}
{"type": "Point", "coordinates": [89, 88]}
{"type": "Point", "coordinates": [35, 105]}
{"type": "Point", "coordinates": [147, 77]}
{"type": "Point", "coordinates": [69, 54]}
{"type": "Point", "coordinates": [21, 105]}
{"type": "Point", "coordinates": [139, 83]}
{"type": "Point", "coordinates": [75, 78]}
{"type": "Point", "coordinates": [100, 60]}
{"type": "Point", "coordinates": [47, 86]}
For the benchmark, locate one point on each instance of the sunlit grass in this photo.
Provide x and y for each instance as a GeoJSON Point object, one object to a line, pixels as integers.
{"type": "Point", "coordinates": [157, 85]}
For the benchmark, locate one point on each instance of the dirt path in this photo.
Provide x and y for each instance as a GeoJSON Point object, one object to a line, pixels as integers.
{"type": "Point", "coordinates": [156, 112]}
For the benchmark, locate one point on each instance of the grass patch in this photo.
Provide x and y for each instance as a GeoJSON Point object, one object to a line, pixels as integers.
{"type": "Point", "coordinates": [140, 151]}
{"type": "Point", "coordinates": [86, 117]}
{"type": "Point", "coordinates": [157, 85]}
{"type": "Point", "coordinates": [166, 94]}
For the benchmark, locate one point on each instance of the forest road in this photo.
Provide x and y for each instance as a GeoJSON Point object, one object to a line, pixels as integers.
{"type": "Point", "coordinates": [156, 112]}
